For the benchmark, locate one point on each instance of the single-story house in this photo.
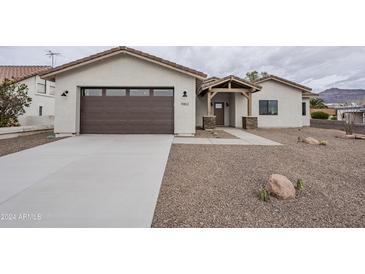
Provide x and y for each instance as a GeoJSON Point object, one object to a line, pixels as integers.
{"type": "Point", "coordinates": [41, 109]}
{"type": "Point", "coordinates": [123, 90]}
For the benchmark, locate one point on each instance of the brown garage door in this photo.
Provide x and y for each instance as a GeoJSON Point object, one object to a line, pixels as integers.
{"type": "Point", "coordinates": [127, 110]}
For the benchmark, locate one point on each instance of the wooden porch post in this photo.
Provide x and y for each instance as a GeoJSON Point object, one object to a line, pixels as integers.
{"type": "Point", "coordinates": [209, 101]}
{"type": "Point", "coordinates": [249, 103]}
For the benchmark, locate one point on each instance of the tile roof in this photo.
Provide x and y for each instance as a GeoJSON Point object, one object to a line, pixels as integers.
{"type": "Point", "coordinates": [127, 50]}
{"type": "Point", "coordinates": [210, 79]}
{"type": "Point", "coordinates": [20, 72]}
{"type": "Point", "coordinates": [285, 81]}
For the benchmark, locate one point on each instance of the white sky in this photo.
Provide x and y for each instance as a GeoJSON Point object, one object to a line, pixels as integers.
{"type": "Point", "coordinates": [317, 67]}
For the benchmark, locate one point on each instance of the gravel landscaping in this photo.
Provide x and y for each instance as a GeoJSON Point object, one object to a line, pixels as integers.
{"type": "Point", "coordinates": [12, 145]}
{"type": "Point", "coordinates": [216, 133]}
{"type": "Point", "coordinates": [217, 185]}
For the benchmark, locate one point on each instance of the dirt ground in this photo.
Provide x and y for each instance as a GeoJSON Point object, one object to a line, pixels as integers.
{"type": "Point", "coordinates": [12, 145]}
{"type": "Point", "coordinates": [217, 185]}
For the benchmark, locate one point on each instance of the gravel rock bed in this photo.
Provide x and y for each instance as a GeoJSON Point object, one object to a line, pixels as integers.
{"type": "Point", "coordinates": [216, 133]}
{"type": "Point", "coordinates": [217, 185]}
{"type": "Point", "coordinates": [12, 145]}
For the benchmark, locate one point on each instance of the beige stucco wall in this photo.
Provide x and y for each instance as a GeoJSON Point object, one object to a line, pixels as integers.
{"type": "Point", "coordinates": [289, 105]}
{"type": "Point", "coordinates": [241, 109]}
{"type": "Point", "coordinates": [121, 71]}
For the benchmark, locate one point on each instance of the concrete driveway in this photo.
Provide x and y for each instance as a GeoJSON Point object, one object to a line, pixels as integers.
{"type": "Point", "coordinates": [84, 181]}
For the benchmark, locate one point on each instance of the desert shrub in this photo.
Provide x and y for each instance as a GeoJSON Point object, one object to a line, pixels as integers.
{"type": "Point", "coordinates": [320, 115]}
{"type": "Point", "coordinates": [323, 143]}
{"type": "Point", "coordinates": [300, 184]}
{"type": "Point", "coordinates": [264, 195]}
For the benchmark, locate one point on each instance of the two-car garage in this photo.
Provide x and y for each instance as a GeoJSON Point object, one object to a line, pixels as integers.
{"type": "Point", "coordinates": [124, 91]}
{"type": "Point", "coordinates": [127, 110]}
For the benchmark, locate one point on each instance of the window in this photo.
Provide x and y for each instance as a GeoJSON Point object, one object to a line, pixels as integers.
{"type": "Point", "coordinates": [268, 107]}
{"type": "Point", "coordinates": [92, 92]}
{"type": "Point", "coordinates": [115, 92]}
{"type": "Point", "coordinates": [304, 109]}
{"type": "Point", "coordinates": [163, 92]}
{"type": "Point", "coordinates": [218, 105]}
{"type": "Point", "coordinates": [40, 110]}
{"type": "Point", "coordinates": [139, 92]}
{"type": "Point", "coordinates": [41, 88]}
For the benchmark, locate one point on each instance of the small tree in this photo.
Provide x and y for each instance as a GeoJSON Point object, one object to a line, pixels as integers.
{"type": "Point", "coordinates": [13, 99]}
{"type": "Point", "coordinates": [253, 76]}
{"type": "Point", "coordinates": [317, 103]}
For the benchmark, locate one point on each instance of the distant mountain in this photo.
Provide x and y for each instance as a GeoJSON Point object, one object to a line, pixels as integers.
{"type": "Point", "coordinates": [337, 95]}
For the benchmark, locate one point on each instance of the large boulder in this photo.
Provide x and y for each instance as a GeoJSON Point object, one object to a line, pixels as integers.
{"type": "Point", "coordinates": [311, 141]}
{"type": "Point", "coordinates": [281, 187]}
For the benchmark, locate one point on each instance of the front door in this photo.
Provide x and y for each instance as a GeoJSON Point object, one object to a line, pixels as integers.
{"type": "Point", "coordinates": [219, 113]}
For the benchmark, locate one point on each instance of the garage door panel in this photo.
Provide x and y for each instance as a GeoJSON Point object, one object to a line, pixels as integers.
{"type": "Point", "coordinates": [127, 127]}
{"type": "Point", "coordinates": [128, 117]}
{"type": "Point", "coordinates": [127, 114]}
{"type": "Point", "coordinates": [128, 109]}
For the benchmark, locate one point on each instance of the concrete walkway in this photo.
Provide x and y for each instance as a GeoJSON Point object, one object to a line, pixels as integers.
{"type": "Point", "coordinates": [245, 138]}
{"type": "Point", "coordinates": [84, 181]}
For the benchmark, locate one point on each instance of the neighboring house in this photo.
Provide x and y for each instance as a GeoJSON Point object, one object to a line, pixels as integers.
{"type": "Point", "coordinates": [124, 90]}
{"type": "Point", "coordinates": [358, 113]}
{"type": "Point", "coordinates": [41, 109]}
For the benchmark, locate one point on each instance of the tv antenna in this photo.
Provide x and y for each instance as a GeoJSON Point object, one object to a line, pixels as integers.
{"type": "Point", "coordinates": [53, 56]}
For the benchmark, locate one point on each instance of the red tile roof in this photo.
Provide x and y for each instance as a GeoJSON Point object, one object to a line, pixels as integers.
{"type": "Point", "coordinates": [20, 72]}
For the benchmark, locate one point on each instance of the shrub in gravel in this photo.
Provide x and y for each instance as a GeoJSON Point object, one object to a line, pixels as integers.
{"type": "Point", "coordinates": [320, 115]}
{"type": "Point", "coordinates": [264, 195]}
{"type": "Point", "coordinates": [323, 143]}
{"type": "Point", "coordinates": [300, 184]}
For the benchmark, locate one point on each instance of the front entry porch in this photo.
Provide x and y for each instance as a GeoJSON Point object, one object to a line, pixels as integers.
{"type": "Point", "coordinates": [226, 102]}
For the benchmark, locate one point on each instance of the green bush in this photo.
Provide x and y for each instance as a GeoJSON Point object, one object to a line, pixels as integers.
{"type": "Point", "coordinates": [334, 118]}
{"type": "Point", "coordinates": [320, 115]}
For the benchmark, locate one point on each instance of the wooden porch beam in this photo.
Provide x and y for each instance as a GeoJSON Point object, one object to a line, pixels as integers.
{"type": "Point", "coordinates": [213, 94]}
{"type": "Point", "coordinates": [223, 90]}
{"type": "Point", "coordinates": [245, 94]}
